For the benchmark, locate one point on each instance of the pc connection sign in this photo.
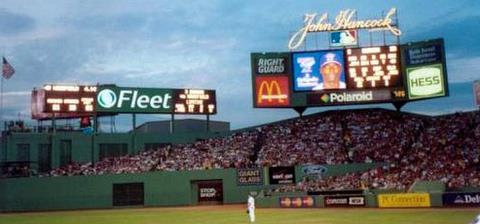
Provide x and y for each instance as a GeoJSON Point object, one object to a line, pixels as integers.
{"type": "Point", "coordinates": [134, 100]}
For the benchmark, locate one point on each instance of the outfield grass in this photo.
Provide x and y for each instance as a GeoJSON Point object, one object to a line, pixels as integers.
{"type": "Point", "coordinates": [233, 214]}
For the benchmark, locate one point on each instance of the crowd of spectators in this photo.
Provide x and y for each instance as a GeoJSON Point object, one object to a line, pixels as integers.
{"type": "Point", "coordinates": [231, 152]}
{"type": "Point", "coordinates": [442, 148]}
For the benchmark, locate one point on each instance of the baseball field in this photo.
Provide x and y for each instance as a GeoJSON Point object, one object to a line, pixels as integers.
{"type": "Point", "coordinates": [233, 214]}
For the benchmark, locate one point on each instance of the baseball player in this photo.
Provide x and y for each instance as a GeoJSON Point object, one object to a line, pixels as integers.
{"type": "Point", "coordinates": [251, 208]}
{"type": "Point", "coordinates": [476, 220]}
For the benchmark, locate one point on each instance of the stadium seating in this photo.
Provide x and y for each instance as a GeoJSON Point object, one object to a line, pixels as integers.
{"type": "Point", "coordinates": [415, 147]}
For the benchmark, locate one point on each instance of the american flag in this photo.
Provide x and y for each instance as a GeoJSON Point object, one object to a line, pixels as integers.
{"type": "Point", "coordinates": [7, 69]}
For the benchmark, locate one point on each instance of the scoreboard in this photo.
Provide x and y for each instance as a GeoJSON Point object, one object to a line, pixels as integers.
{"type": "Point", "coordinates": [357, 75]}
{"type": "Point", "coordinates": [69, 98]}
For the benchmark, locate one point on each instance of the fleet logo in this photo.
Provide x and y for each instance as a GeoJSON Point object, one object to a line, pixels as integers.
{"type": "Point", "coordinates": [107, 98]}
{"type": "Point", "coordinates": [134, 100]}
{"type": "Point", "coordinates": [425, 81]}
{"type": "Point", "coordinates": [272, 91]}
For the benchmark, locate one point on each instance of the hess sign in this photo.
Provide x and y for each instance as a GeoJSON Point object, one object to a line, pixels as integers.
{"type": "Point", "coordinates": [69, 98]}
{"type": "Point", "coordinates": [190, 101]}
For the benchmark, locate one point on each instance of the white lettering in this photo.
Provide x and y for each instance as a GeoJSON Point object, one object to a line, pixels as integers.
{"type": "Point", "coordinates": [123, 97]}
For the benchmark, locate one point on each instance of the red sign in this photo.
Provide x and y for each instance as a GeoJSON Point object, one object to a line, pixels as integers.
{"type": "Point", "coordinates": [297, 202]}
{"type": "Point", "coordinates": [272, 91]}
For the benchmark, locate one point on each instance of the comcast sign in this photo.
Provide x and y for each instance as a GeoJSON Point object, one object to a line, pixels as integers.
{"type": "Point", "coordinates": [134, 100]}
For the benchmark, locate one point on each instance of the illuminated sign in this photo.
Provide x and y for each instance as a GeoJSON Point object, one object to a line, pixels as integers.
{"type": "Point", "coordinates": [272, 91]}
{"type": "Point", "coordinates": [476, 91]}
{"type": "Point", "coordinates": [345, 20]}
{"type": "Point", "coordinates": [343, 38]}
{"type": "Point", "coordinates": [425, 81]}
{"type": "Point", "coordinates": [69, 98]}
{"type": "Point", "coordinates": [318, 70]}
{"type": "Point", "coordinates": [425, 69]}
{"type": "Point", "coordinates": [154, 100]}
{"type": "Point", "coordinates": [270, 64]}
{"type": "Point", "coordinates": [348, 97]}
{"type": "Point", "coordinates": [190, 101]}
{"type": "Point", "coordinates": [134, 100]}
{"type": "Point", "coordinates": [373, 67]}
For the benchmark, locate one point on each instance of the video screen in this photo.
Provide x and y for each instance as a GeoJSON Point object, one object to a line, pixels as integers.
{"type": "Point", "coordinates": [319, 70]}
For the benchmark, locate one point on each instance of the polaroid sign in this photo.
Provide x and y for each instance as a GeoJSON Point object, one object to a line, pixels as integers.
{"type": "Point", "coordinates": [134, 100]}
{"type": "Point", "coordinates": [425, 81]}
{"type": "Point", "coordinates": [348, 97]}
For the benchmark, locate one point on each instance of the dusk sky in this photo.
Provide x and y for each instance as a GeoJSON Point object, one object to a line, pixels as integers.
{"type": "Point", "coordinates": [201, 44]}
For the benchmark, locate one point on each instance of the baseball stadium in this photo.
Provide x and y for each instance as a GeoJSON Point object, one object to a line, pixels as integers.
{"type": "Point", "coordinates": [333, 125]}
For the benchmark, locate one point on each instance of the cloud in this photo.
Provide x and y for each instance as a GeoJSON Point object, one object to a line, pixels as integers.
{"type": "Point", "coordinates": [11, 23]}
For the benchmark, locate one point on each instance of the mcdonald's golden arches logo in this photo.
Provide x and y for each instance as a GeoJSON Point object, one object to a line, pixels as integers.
{"type": "Point", "coordinates": [272, 91]}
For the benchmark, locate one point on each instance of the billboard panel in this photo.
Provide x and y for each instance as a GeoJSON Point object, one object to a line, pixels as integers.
{"type": "Point", "coordinates": [250, 176]}
{"type": "Point", "coordinates": [318, 70]}
{"type": "Point", "coordinates": [297, 202]}
{"type": "Point", "coordinates": [272, 91]}
{"type": "Point", "coordinates": [209, 191]}
{"type": "Point", "coordinates": [407, 200]}
{"type": "Point", "coordinates": [471, 199]}
{"type": "Point", "coordinates": [281, 175]}
{"type": "Point", "coordinates": [425, 68]}
{"type": "Point", "coordinates": [270, 63]}
{"type": "Point", "coordinates": [373, 67]}
{"type": "Point", "coordinates": [345, 201]}
{"type": "Point", "coordinates": [116, 99]}
{"type": "Point", "coordinates": [349, 97]}
{"type": "Point", "coordinates": [134, 100]}
{"type": "Point", "coordinates": [425, 81]}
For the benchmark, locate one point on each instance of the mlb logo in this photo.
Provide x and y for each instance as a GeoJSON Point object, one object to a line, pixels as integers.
{"type": "Point", "coordinates": [343, 38]}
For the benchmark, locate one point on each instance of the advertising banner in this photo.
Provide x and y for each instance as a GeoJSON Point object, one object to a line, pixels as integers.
{"type": "Point", "coordinates": [462, 199]}
{"type": "Point", "coordinates": [281, 175]}
{"type": "Point", "coordinates": [318, 70]}
{"type": "Point", "coordinates": [314, 171]}
{"type": "Point", "coordinates": [349, 97]}
{"type": "Point", "coordinates": [426, 81]}
{"type": "Point", "coordinates": [422, 53]}
{"type": "Point", "coordinates": [408, 200]}
{"type": "Point", "coordinates": [272, 91]}
{"type": "Point", "coordinates": [345, 201]}
{"type": "Point", "coordinates": [270, 63]}
{"type": "Point", "coordinates": [134, 100]}
{"type": "Point", "coordinates": [297, 202]}
{"type": "Point", "coordinates": [210, 191]}
{"type": "Point", "coordinates": [250, 176]}
{"type": "Point", "coordinates": [425, 68]}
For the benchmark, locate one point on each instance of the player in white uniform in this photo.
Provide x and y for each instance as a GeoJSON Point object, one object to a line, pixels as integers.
{"type": "Point", "coordinates": [476, 220]}
{"type": "Point", "coordinates": [251, 208]}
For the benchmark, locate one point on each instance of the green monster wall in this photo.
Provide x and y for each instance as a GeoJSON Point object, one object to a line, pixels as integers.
{"type": "Point", "coordinates": [80, 192]}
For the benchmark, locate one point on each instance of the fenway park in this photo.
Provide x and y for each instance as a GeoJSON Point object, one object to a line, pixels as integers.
{"type": "Point", "coordinates": [239, 112]}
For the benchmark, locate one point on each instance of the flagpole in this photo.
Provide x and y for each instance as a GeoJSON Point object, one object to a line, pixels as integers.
{"type": "Point", "coordinates": [1, 101]}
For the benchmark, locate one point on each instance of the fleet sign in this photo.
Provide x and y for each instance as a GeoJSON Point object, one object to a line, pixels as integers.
{"type": "Point", "coordinates": [134, 100]}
